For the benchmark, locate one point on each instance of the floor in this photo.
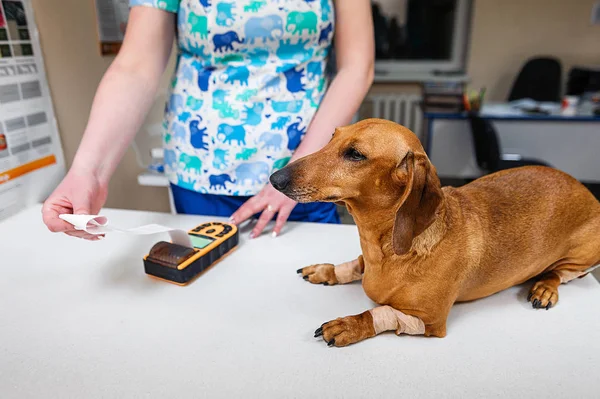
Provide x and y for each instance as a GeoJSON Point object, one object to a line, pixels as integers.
{"type": "Point", "coordinates": [347, 219]}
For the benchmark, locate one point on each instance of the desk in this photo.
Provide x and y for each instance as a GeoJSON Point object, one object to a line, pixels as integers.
{"type": "Point", "coordinates": [82, 320]}
{"type": "Point", "coordinates": [567, 143]}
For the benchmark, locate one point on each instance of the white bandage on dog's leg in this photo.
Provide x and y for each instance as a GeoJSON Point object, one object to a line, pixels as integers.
{"type": "Point", "coordinates": [348, 272]}
{"type": "Point", "coordinates": [386, 318]}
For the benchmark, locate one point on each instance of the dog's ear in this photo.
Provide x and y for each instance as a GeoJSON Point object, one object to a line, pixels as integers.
{"type": "Point", "coordinates": [417, 207]}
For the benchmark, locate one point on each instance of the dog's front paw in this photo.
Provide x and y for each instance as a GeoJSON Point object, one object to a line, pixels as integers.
{"type": "Point", "coordinates": [319, 274]}
{"type": "Point", "coordinates": [347, 330]}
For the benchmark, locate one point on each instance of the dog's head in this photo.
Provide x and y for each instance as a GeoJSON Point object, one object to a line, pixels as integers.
{"type": "Point", "coordinates": [372, 164]}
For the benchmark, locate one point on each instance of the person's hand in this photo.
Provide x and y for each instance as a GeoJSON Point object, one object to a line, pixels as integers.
{"type": "Point", "coordinates": [80, 194]}
{"type": "Point", "coordinates": [270, 202]}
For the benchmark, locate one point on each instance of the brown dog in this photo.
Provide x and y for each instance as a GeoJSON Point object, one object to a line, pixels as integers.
{"type": "Point", "coordinates": [425, 248]}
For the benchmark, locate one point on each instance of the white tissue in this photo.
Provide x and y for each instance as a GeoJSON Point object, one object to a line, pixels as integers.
{"type": "Point", "coordinates": [96, 224]}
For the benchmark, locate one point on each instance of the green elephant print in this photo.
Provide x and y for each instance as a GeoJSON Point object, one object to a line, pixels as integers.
{"type": "Point", "coordinates": [280, 163]}
{"type": "Point", "coordinates": [190, 163]}
{"type": "Point", "coordinates": [245, 154]}
{"type": "Point", "coordinates": [298, 22]}
{"type": "Point", "coordinates": [199, 25]}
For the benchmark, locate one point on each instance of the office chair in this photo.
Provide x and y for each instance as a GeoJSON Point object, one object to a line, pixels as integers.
{"type": "Point", "coordinates": [539, 79]}
{"type": "Point", "coordinates": [488, 149]}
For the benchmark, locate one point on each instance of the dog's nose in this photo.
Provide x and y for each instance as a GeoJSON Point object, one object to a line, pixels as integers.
{"type": "Point", "coordinates": [280, 179]}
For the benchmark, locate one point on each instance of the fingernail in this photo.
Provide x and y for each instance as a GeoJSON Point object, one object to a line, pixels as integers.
{"type": "Point", "coordinates": [252, 236]}
{"type": "Point", "coordinates": [274, 234]}
{"type": "Point", "coordinates": [232, 220]}
{"type": "Point", "coordinates": [101, 237]}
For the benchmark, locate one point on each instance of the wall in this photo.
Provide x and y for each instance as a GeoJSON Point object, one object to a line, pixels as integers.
{"type": "Point", "coordinates": [74, 67]}
{"type": "Point", "coordinates": [504, 34]}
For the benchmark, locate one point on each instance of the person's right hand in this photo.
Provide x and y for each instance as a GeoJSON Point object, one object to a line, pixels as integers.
{"type": "Point", "coordinates": [79, 193]}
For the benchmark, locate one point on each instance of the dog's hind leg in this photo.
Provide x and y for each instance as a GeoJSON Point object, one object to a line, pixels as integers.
{"type": "Point", "coordinates": [544, 293]}
{"type": "Point", "coordinates": [579, 261]}
{"type": "Point", "coordinates": [328, 274]}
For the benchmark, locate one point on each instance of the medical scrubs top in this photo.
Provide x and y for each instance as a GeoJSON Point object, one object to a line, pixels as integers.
{"type": "Point", "coordinates": [249, 78]}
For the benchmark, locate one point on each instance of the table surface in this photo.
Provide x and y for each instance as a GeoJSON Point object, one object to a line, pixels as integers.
{"type": "Point", "coordinates": [81, 319]}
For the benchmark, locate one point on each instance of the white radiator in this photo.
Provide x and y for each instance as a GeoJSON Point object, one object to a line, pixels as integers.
{"type": "Point", "coordinates": [404, 109]}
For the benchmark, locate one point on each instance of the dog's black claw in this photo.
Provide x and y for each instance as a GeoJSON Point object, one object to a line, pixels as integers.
{"type": "Point", "coordinates": [529, 297]}
{"type": "Point", "coordinates": [537, 303]}
{"type": "Point", "coordinates": [305, 277]}
{"type": "Point", "coordinates": [318, 332]}
{"type": "Point", "coordinates": [299, 271]}
{"type": "Point", "coordinates": [549, 305]}
{"type": "Point", "coordinates": [325, 283]}
{"type": "Point", "coordinates": [331, 343]}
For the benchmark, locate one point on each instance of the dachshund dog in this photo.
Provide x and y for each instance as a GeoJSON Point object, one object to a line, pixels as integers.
{"type": "Point", "coordinates": [425, 247]}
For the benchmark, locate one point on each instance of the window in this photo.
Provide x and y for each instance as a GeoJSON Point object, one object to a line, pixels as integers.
{"type": "Point", "coordinates": [420, 35]}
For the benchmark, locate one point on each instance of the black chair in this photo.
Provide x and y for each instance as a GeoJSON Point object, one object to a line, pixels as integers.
{"type": "Point", "coordinates": [488, 150]}
{"type": "Point", "coordinates": [539, 79]}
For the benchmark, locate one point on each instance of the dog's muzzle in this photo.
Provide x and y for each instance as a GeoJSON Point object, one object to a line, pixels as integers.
{"type": "Point", "coordinates": [280, 180]}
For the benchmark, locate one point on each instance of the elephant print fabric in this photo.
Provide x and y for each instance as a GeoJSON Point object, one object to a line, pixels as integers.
{"type": "Point", "coordinates": [249, 78]}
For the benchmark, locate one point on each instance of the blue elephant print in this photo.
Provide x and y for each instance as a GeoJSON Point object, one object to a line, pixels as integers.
{"type": "Point", "coordinates": [199, 51]}
{"type": "Point", "coordinates": [170, 159]}
{"type": "Point", "coordinates": [204, 77]}
{"type": "Point", "coordinates": [193, 103]}
{"type": "Point", "coordinates": [225, 15]}
{"type": "Point", "coordinates": [325, 10]}
{"type": "Point", "coordinates": [219, 181]}
{"type": "Point", "coordinates": [224, 42]}
{"type": "Point", "coordinates": [246, 95]}
{"type": "Point", "coordinates": [314, 70]}
{"type": "Point", "coordinates": [272, 84]}
{"type": "Point", "coordinates": [293, 78]}
{"type": "Point", "coordinates": [258, 57]}
{"type": "Point", "coordinates": [187, 73]}
{"type": "Point", "coordinates": [280, 123]}
{"type": "Point", "coordinates": [220, 159]}
{"type": "Point", "coordinates": [237, 73]}
{"type": "Point", "coordinates": [249, 78]}
{"type": "Point", "coordinates": [295, 133]}
{"type": "Point", "coordinates": [263, 28]}
{"type": "Point", "coordinates": [184, 116]}
{"type": "Point", "coordinates": [253, 172]}
{"type": "Point", "coordinates": [175, 103]}
{"type": "Point", "coordinates": [253, 114]}
{"type": "Point", "coordinates": [294, 52]}
{"type": "Point", "coordinates": [179, 132]}
{"type": "Point", "coordinates": [293, 107]}
{"type": "Point", "coordinates": [325, 32]}
{"type": "Point", "coordinates": [270, 141]}
{"type": "Point", "coordinates": [229, 133]}
{"type": "Point", "coordinates": [181, 19]}
{"type": "Point", "coordinates": [197, 135]}
{"type": "Point", "coordinates": [187, 183]}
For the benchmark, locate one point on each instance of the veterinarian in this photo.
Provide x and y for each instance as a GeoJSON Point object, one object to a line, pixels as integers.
{"type": "Point", "coordinates": [250, 93]}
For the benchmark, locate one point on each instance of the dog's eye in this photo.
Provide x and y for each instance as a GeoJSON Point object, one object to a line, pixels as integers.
{"type": "Point", "coordinates": [354, 155]}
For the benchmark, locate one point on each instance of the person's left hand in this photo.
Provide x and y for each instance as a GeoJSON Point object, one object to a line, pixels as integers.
{"type": "Point", "coordinates": [270, 202]}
